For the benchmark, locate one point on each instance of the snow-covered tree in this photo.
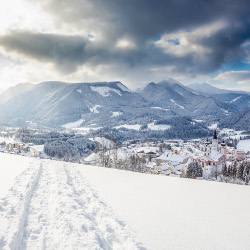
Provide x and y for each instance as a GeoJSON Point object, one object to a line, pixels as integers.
{"type": "Point", "coordinates": [246, 172]}
{"type": "Point", "coordinates": [194, 170]}
{"type": "Point", "coordinates": [240, 169]}
{"type": "Point", "coordinates": [234, 169]}
{"type": "Point", "coordinates": [225, 170]}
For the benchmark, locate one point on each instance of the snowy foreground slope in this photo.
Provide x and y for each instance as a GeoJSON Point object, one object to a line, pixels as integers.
{"type": "Point", "coordinates": [176, 213]}
{"type": "Point", "coordinates": [57, 205]}
{"type": "Point", "coordinates": [52, 207]}
{"type": "Point", "coordinates": [10, 167]}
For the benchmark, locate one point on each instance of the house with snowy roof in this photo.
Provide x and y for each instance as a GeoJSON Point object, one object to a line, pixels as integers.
{"type": "Point", "coordinates": [150, 152]}
{"type": "Point", "coordinates": [240, 154]}
{"type": "Point", "coordinates": [169, 169]}
{"type": "Point", "coordinates": [176, 150]}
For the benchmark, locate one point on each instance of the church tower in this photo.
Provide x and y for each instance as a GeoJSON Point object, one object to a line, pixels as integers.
{"type": "Point", "coordinates": [215, 141]}
{"type": "Point", "coordinates": [207, 148]}
{"type": "Point", "coordinates": [223, 151]}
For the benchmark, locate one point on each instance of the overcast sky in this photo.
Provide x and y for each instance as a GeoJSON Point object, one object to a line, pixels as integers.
{"type": "Point", "coordinates": [133, 41]}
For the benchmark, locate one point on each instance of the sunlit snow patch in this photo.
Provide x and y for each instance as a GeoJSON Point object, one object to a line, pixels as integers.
{"type": "Point", "coordinates": [122, 87]}
{"type": "Point", "coordinates": [75, 124]}
{"type": "Point", "coordinates": [153, 126]}
{"type": "Point", "coordinates": [105, 91]}
{"type": "Point", "coordinates": [213, 126]}
{"type": "Point", "coordinates": [115, 114]}
{"type": "Point", "coordinates": [234, 100]}
{"type": "Point", "coordinates": [94, 109]}
{"type": "Point", "coordinates": [244, 144]}
{"type": "Point", "coordinates": [178, 105]}
{"type": "Point", "coordinates": [128, 126]}
{"type": "Point", "coordinates": [159, 108]}
{"type": "Point", "coordinates": [85, 130]}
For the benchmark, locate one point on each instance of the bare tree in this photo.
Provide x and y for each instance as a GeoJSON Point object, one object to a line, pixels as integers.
{"type": "Point", "coordinates": [115, 155]}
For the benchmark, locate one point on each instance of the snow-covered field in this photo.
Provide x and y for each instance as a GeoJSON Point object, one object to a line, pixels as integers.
{"type": "Point", "coordinates": [6, 139]}
{"type": "Point", "coordinates": [160, 108]}
{"type": "Point", "coordinates": [85, 130]}
{"type": "Point", "coordinates": [115, 114]}
{"type": "Point", "coordinates": [73, 124]}
{"type": "Point", "coordinates": [244, 144]}
{"type": "Point", "coordinates": [51, 206]}
{"type": "Point", "coordinates": [231, 133]}
{"type": "Point", "coordinates": [153, 126]}
{"type": "Point", "coordinates": [174, 213]}
{"type": "Point", "coordinates": [10, 167]}
{"type": "Point", "coordinates": [213, 126]}
{"type": "Point", "coordinates": [105, 91]}
{"type": "Point", "coordinates": [129, 126]}
{"type": "Point", "coordinates": [58, 205]}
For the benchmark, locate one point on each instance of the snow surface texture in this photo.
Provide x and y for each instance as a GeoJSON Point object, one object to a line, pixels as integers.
{"type": "Point", "coordinates": [244, 144]}
{"type": "Point", "coordinates": [173, 101]}
{"type": "Point", "coordinates": [104, 142]}
{"type": "Point", "coordinates": [115, 114]}
{"type": "Point", "coordinates": [159, 108]}
{"type": "Point", "coordinates": [10, 167]}
{"type": "Point", "coordinates": [129, 126]}
{"type": "Point", "coordinates": [153, 126]}
{"type": "Point", "coordinates": [85, 130]}
{"type": "Point", "coordinates": [213, 126]}
{"type": "Point", "coordinates": [105, 91]}
{"type": "Point", "coordinates": [51, 206]}
{"type": "Point", "coordinates": [122, 87]}
{"type": "Point", "coordinates": [176, 213]}
{"type": "Point", "coordinates": [234, 100]}
{"type": "Point", "coordinates": [73, 124]}
{"type": "Point", "coordinates": [94, 109]}
{"type": "Point", "coordinates": [233, 134]}
{"type": "Point", "coordinates": [6, 139]}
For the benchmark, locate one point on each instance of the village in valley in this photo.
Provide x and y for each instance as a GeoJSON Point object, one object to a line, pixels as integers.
{"type": "Point", "coordinates": [209, 158]}
{"type": "Point", "coordinates": [8, 144]}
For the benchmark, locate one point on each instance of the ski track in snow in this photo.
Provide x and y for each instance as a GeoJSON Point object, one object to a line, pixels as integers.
{"type": "Point", "coordinates": [51, 206]}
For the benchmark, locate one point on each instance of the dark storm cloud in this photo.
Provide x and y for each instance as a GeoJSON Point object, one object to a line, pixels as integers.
{"type": "Point", "coordinates": [145, 19]}
{"type": "Point", "coordinates": [64, 51]}
{"type": "Point", "coordinates": [226, 44]}
{"type": "Point", "coordinates": [69, 52]}
{"type": "Point", "coordinates": [148, 19]}
{"type": "Point", "coordinates": [142, 22]}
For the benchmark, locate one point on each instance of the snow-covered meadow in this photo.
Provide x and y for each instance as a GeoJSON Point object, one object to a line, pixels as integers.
{"type": "Point", "coordinates": [10, 167]}
{"type": "Point", "coordinates": [244, 144]}
{"type": "Point", "coordinates": [176, 213]}
{"type": "Point", "coordinates": [58, 205]}
{"type": "Point", "coordinates": [52, 206]}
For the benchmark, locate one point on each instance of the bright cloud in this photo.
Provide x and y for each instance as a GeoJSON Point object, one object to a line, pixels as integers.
{"type": "Point", "coordinates": [183, 43]}
{"type": "Point", "coordinates": [125, 44]}
{"type": "Point", "coordinates": [22, 14]}
{"type": "Point", "coordinates": [238, 77]}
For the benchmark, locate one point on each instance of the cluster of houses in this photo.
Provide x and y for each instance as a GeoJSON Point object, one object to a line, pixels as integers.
{"type": "Point", "coordinates": [18, 147]}
{"type": "Point", "coordinates": [28, 149]}
{"type": "Point", "coordinates": [174, 161]}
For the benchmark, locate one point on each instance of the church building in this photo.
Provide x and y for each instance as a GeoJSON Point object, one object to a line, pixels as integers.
{"type": "Point", "coordinates": [213, 153]}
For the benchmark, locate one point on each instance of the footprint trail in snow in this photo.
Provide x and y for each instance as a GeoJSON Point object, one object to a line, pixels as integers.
{"type": "Point", "coordinates": [51, 206]}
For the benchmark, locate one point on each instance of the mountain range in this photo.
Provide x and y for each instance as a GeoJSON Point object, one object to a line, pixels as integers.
{"type": "Point", "coordinates": [59, 105]}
